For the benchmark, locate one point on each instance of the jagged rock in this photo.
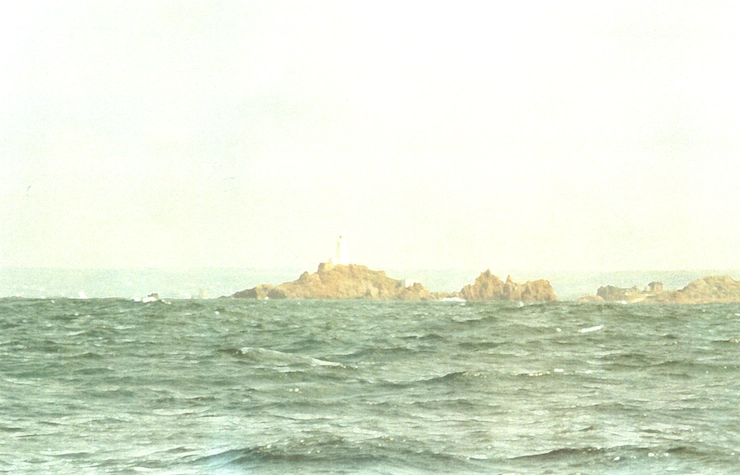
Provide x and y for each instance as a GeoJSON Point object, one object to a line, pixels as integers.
{"type": "Point", "coordinates": [259, 292]}
{"type": "Point", "coordinates": [654, 287]}
{"type": "Point", "coordinates": [486, 287]}
{"type": "Point", "coordinates": [610, 293]}
{"type": "Point", "coordinates": [538, 291]}
{"type": "Point", "coordinates": [710, 289]}
{"type": "Point", "coordinates": [489, 287]}
{"type": "Point", "coordinates": [340, 282]}
{"type": "Point", "coordinates": [446, 295]}
{"type": "Point", "coordinates": [512, 290]}
{"type": "Point", "coordinates": [353, 281]}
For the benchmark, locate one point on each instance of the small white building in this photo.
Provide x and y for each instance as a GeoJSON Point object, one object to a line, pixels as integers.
{"type": "Point", "coordinates": [341, 254]}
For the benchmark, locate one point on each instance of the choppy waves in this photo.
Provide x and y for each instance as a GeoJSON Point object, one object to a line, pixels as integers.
{"type": "Point", "coordinates": [222, 386]}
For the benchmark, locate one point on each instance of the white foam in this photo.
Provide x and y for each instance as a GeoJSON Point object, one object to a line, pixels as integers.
{"type": "Point", "coordinates": [590, 329]}
{"type": "Point", "coordinates": [318, 362]}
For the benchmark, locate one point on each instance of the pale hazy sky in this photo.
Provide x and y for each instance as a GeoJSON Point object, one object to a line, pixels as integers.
{"type": "Point", "coordinates": [512, 135]}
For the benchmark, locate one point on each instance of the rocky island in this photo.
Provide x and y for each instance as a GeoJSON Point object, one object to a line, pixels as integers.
{"type": "Point", "coordinates": [339, 279]}
{"type": "Point", "coordinates": [341, 282]}
{"type": "Point", "coordinates": [489, 287]}
{"type": "Point", "coordinates": [710, 289]}
{"type": "Point", "coordinates": [354, 281]}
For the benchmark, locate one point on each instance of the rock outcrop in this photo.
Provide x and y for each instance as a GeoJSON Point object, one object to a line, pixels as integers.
{"type": "Point", "coordinates": [489, 287]}
{"type": "Point", "coordinates": [260, 292]}
{"type": "Point", "coordinates": [353, 281]}
{"type": "Point", "coordinates": [710, 289]}
{"type": "Point", "coordinates": [610, 293]}
{"type": "Point", "coordinates": [341, 282]}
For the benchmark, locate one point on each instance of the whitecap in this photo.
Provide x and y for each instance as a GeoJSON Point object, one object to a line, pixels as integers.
{"type": "Point", "coordinates": [590, 329]}
{"type": "Point", "coordinates": [280, 358]}
{"type": "Point", "coordinates": [318, 362]}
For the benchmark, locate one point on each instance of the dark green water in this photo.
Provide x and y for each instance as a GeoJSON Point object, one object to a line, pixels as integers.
{"type": "Point", "coordinates": [228, 386]}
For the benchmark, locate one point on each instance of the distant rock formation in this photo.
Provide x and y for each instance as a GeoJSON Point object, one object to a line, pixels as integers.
{"type": "Point", "coordinates": [654, 287]}
{"type": "Point", "coordinates": [489, 287]}
{"type": "Point", "coordinates": [710, 289]}
{"type": "Point", "coordinates": [260, 292]}
{"type": "Point", "coordinates": [610, 293]}
{"type": "Point", "coordinates": [153, 297]}
{"type": "Point", "coordinates": [341, 282]}
{"type": "Point", "coordinates": [354, 281]}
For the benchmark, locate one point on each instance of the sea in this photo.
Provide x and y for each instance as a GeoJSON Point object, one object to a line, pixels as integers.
{"type": "Point", "coordinates": [226, 386]}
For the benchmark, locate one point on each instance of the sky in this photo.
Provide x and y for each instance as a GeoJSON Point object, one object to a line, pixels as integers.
{"type": "Point", "coordinates": [434, 135]}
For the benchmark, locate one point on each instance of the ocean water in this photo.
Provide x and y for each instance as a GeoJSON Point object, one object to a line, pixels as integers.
{"type": "Point", "coordinates": [277, 387]}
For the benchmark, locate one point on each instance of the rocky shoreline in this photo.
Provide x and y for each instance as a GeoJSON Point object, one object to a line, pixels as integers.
{"type": "Point", "coordinates": [710, 289]}
{"type": "Point", "coordinates": [358, 282]}
{"type": "Point", "coordinates": [354, 281]}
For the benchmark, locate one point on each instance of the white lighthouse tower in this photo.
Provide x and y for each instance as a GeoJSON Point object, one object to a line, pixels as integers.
{"type": "Point", "coordinates": [341, 254]}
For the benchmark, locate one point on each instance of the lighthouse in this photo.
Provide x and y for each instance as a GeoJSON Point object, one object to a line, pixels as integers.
{"type": "Point", "coordinates": [341, 255]}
